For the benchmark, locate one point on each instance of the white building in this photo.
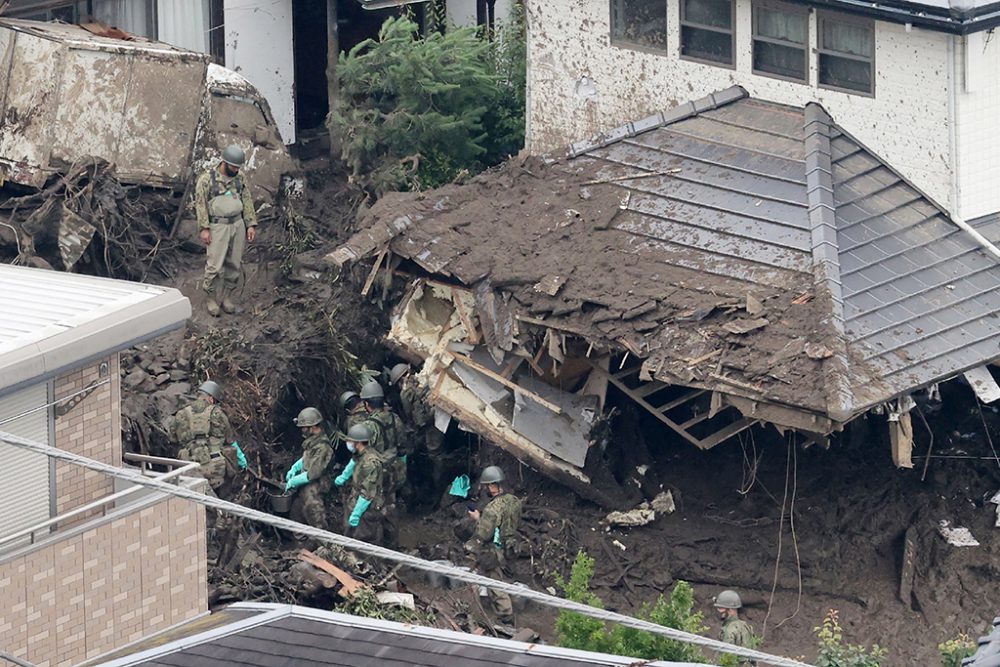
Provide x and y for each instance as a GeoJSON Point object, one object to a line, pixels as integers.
{"type": "Point", "coordinates": [917, 82]}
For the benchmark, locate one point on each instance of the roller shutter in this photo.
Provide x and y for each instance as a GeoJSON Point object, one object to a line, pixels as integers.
{"type": "Point", "coordinates": [24, 475]}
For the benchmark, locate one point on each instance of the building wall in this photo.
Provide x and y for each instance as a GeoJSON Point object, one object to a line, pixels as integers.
{"type": "Point", "coordinates": [978, 111]}
{"type": "Point", "coordinates": [105, 584]}
{"type": "Point", "coordinates": [93, 429]}
{"type": "Point", "coordinates": [907, 122]}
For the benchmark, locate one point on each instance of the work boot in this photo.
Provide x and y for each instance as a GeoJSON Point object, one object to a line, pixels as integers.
{"type": "Point", "coordinates": [227, 305]}
{"type": "Point", "coordinates": [212, 306]}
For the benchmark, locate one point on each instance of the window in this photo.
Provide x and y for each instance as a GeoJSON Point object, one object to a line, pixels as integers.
{"type": "Point", "coordinates": [780, 41]}
{"type": "Point", "coordinates": [707, 30]}
{"type": "Point", "coordinates": [847, 54]}
{"type": "Point", "coordinates": [640, 23]}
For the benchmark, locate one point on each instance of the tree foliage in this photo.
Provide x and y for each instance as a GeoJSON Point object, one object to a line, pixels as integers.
{"type": "Point", "coordinates": [585, 633]}
{"type": "Point", "coordinates": [415, 111]}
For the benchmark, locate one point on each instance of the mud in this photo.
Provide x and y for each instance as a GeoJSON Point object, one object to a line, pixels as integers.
{"type": "Point", "coordinates": [737, 505]}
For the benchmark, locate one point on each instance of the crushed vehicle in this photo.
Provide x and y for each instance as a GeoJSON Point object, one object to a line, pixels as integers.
{"type": "Point", "coordinates": [159, 113]}
{"type": "Point", "coordinates": [724, 265]}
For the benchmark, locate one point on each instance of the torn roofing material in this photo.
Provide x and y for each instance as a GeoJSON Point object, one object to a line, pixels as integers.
{"type": "Point", "coordinates": [733, 244]}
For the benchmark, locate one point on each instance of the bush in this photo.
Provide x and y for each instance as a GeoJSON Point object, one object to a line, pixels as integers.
{"type": "Point", "coordinates": [833, 652]}
{"type": "Point", "coordinates": [416, 111]}
{"type": "Point", "coordinates": [589, 634]}
{"type": "Point", "coordinates": [954, 651]}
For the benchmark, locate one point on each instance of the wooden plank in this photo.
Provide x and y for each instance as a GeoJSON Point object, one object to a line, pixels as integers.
{"type": "Point", "coordinates": [697, 419]}
{"type": "Point", "coordinates": [648, 388]}
{"type": "Point", "coordinates": [909, 566]}
{"type": "Point", "coordinates": [466, 318]}
{"type": "Point", "coordinates": [579, 331]}
{"type": "Point", "coordinates": [371, 276]}
{"type": "Point", "coordinates": [466, 361]}
{"type": "Point", "coordinates": [691, 395]}
{"type": "Point", "coordinates": [726, 433]}
{"type": "Point", "coordinates": [349, 583]}
{"type": "Point", "coordinates": [628, 372]}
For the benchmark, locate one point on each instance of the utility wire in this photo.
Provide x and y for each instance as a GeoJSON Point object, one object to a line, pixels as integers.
{"type": "Point", "coordinates": [397, 557]}
{"type": "Point", "coordinates": [14, 661]}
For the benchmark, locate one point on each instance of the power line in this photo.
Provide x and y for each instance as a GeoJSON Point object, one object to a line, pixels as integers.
{"type": "Point", "coordinates": [397, 557]}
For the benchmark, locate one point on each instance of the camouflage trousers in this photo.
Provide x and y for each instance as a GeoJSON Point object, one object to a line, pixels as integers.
{"type": "Point", "coordinates": [376, 527]}
{"type": "Point", "coordinates": [224, 256]}
{"type": "Point", "coordinates": [502, 605]}
{"type": "Point", "coordinates": [309, 505]}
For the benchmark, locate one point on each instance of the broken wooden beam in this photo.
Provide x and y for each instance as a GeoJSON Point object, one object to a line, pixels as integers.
{"type": "Point", "coordinates": [479, 368]}
{"type": "Point", "coordinates": [349, 584]}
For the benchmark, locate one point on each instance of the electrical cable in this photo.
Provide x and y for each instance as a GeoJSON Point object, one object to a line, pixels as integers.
{"type": "Point", "coordinates": [414, 562]}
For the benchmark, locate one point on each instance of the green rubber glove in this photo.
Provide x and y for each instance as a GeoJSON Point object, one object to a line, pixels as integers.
{"type": "Point", "coordinates": [294, 470]}
{"type": "Point", "coordinates": [241, 458]}
{"type": "Point", "coordinates": [360, 508]}
{"type": "Point", "coordinates": [346, 474]}
{"type": "Point", "coordinates": [460, 486]}
{"type": "Point", "coordinates": [298, 480]}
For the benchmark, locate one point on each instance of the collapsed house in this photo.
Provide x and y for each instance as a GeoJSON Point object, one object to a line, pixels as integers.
{"type": "Point", "coordinates": [728, 263]}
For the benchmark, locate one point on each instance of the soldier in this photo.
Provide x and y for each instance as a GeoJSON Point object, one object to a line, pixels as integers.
{"type": "Point", "coordinates": [493, 538]}
{"type": "Point", "coordinates": [734, 629]}
{"type": "Point", "coordinates": [420, 416]}
{"type": "Point", "coordinates": [224, 206]}
{"type": "Point", "coordinates": [201, 430]}
{"type": "Point", "coordinates": [387, 435]}
{"type": "Point", "coordinates": [310, 471]}
{"type": "Point", "coordinates": [369, 504]}
{"type": "Point", "coordinates": [353, 412]}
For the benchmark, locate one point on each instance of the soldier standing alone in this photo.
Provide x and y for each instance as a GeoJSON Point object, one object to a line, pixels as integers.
{"type": "Point", "coordinates": [202, 430]}
{"type": "Point", "coordinates": [734, 629]}
{"type": "Point", "coordinates": [496, 527]}
{"type": "Point", "coordinates": [223, 203]}
{"type": "Point", "coordinates": [310, 471]}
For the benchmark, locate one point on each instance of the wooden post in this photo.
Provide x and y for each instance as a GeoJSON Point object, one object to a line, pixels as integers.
{"type": "Point", "coordinates": [332, 57]}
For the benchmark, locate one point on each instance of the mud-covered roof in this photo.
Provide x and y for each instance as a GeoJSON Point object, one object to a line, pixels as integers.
{"type": "Point", "coordinates": [285, 635]}
{"type": "Point", "coordinates": [733, 244]}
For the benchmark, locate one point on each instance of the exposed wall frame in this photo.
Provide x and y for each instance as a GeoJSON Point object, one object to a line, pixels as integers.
{"type": "Point", "coordinates": [824, 51]}
{"type": "Point", "coordinates": [756, 37]}
{"type": "Point", "coordinates": [687, 26]}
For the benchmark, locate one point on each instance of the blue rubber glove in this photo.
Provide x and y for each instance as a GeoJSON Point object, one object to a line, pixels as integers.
{"type": "Point", "coordinates": [460, 486]}
{"type": "Point", "coordinates": [241, 458]}
{"type": "Point", "coordinates": [295, 482]}
{"type": "Point", "coordinates": [360, 508]}
{"type": "Point", "coordinates": [294, 470]}
{"type": "Point", "coordinates": [346, 474]}
{"type": "Point", "coordinates": [496, 538]}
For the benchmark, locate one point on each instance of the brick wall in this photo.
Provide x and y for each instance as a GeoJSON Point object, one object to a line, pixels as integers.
{"type": "Point", "coordinates": [906, 123]}
{"type": "Point", "coordinates": [112, 582]}
{"type": "Point", "coordinates": [93, 429]}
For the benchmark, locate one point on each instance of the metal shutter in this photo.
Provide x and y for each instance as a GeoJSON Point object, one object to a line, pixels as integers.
{"type": "Point", "coordinates": [24, 475]}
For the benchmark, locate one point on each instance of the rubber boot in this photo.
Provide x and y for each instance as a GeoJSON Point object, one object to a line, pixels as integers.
{"type": "Point", "coordinates": [212, 303]}
{"type": "Point", "coordinates": [227, 305]}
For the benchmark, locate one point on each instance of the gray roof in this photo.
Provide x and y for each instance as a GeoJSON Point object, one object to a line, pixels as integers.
{"type": "Point", "coordinates": [53, 321]}
{"type": "Point", "coordinates": [988, 652]}
{"type": "Point", "coordinates": [870, 290]}
{"type": "Point", "coordinates": [285, 635]}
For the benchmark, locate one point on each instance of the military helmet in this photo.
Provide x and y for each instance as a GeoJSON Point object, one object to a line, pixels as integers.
{"type": "Point", "coordinates": [359, 433]}
{"type": "Point", "coordinates": [212, 389]}
{"type": "Point", "coordinates": [308, 417]}
{"type": "Point", "coordinates": [397, 372]}
{"type": "Point", "coordinates": [491, 475]}
{"type": "Point", "coordinates": [345, 398]}
{"type": "Point", "coordinates": [233, 155]}
{"type": "Point", "coordinates": [372, 389]}
{"type": "Point", "coordinates": [728, 600]}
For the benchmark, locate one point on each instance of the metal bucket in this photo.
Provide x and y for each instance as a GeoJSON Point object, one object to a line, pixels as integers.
{"type": "Point", "coordinates": [281, 503]}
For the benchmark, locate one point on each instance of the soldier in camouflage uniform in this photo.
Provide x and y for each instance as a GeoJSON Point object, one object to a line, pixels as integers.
{"type": "Point", "coordinates": [223, 204]}
{"type": "Point", "coordinates": [496, 527]}
{"type": "Point", "coordinates": [388, 436]}
{"type": "Point", "coordinates": [734, 629]}
{"type": "Point", "coordinates": [370, 517]}
{"type": "Point", "coordinates": [202, 430]}
{"type": "Point", "coordinates": [311, 471]}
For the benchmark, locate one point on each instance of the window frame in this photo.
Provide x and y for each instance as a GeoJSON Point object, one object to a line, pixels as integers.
{"type": "Point", "coordinates": [754, 38]}
{"type": "Point", "coordinates": [685, 23]}
{"type": "Point", "coordinates": [635, 46]}
{"type": "Point", "coordinates": [821, 18]}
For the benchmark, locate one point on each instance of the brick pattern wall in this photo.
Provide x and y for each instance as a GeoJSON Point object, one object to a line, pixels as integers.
{"type": "Point", "coordinates": [126, 577]}
{"type": "Point", "coordinates": [906, 123]}
{"type": "Point", "coordinates": [92, 428]}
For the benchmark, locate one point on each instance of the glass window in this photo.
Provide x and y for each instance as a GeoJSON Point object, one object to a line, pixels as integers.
{"type": "Point", "coordinates": [707, 30]}
{"type": "Point", "coordinates": [847, 54]}
{"type": "Point", "coordinates": [780, 41]}
{"type": "Point", "coordinates": [639, 23]}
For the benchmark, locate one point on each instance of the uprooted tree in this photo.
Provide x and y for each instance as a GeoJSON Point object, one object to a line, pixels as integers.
{"type": "Point", "coordinates": [416, 111]}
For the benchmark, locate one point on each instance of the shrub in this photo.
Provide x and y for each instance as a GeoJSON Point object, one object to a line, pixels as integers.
{"type": "Point", "coordinates": [954, 651]}
{"type": "Point", "coordinates": [833, 652]}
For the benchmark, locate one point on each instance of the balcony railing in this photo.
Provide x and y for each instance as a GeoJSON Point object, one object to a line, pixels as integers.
{"type": "Point", "coordinates": [175, 469]}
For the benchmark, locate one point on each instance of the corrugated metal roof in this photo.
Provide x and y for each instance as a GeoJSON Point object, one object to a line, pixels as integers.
{"type": "Point", "coordinates": [53, 320]}
{"type": "Point", "coordinates": [285, 634]}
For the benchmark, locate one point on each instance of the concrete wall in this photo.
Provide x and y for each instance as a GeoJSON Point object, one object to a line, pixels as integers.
{"type": "Point", "coordinates": [259, 46]}
{"type": "Point", "coordinates": [907, 122]}
{"type": "Point", "coordinates": [93, 429]}
{"type": "Point", "coordinates": [105, 584]}
{"type": "Point", "coordinates": [978, 112]}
